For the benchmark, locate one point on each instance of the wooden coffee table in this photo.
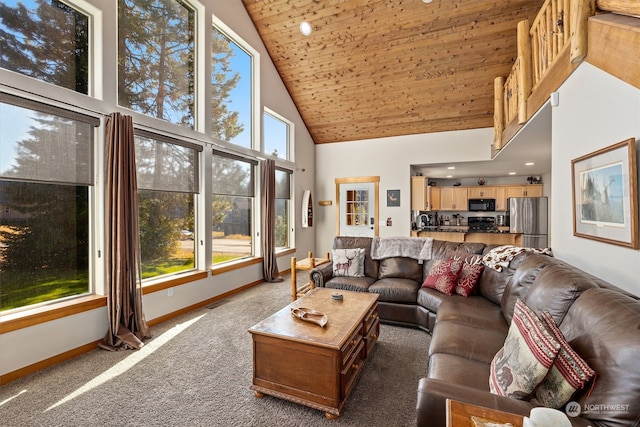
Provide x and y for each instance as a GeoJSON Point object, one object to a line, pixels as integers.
{"type": "Point", "coordinates": [312, 365]}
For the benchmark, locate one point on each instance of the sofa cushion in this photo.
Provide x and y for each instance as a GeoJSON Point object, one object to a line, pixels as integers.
{"type": "Point", "coordinates": [358, 284]}
{"type": "Point", "coordinates": [400, 267]}
{"type": "Point", "coordinates": [568, 373]}
{"type": "Point", "coordinates": [459, 370]}
{"type": "Point", "coordinates": [556, 288]}
{"type": "Point", "coordinates": [475, 311]}
{"type": "Point", "coordinates": [526, 357]}
{"type": "Point", "coordinates": [493, 283]}
{"type": "Point", "coordinates": [348, 262]}
{"type": "Point", "coordinates": [396, 290]}
{"type": "Point", "coordinates": [443, 275]}
{"type": "Point", "coordinates": [465, 340]}
{"type": "Point", "coordinates": [519, 284]}
{"type": "Point", "coordinates": [431, 298]}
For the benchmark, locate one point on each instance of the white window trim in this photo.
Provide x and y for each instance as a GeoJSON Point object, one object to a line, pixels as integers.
{"type": "Point", "coordinates": [290, 133]}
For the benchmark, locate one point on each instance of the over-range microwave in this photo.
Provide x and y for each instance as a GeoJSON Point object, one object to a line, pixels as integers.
{"type": "Point", "coordinates": [482, 205]}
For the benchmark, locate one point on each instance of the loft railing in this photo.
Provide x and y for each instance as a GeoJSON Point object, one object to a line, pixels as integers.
{"type": "Point", "coordinates": [558, 32]}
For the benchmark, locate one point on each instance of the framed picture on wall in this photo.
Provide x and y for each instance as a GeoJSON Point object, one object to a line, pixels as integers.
{"type": "Point", "coordinates": [393, 197]}
{"type": "Point", "coordinates": [605, 195]}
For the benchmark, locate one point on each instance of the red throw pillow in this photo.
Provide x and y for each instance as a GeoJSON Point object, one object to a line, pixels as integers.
{"type": "Point", "coordinates": [443, 275]}
{"type": "Point", "coordinates": [468, 279]}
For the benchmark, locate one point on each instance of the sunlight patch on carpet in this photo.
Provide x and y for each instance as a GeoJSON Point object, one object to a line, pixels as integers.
{"type": "Point", "coordinates": [128, 363]}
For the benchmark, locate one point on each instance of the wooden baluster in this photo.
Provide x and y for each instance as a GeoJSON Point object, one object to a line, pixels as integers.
{"type": "Point", "coordinates": [524, 69]}
{"type": "Point", "coordinates": [498, 112]}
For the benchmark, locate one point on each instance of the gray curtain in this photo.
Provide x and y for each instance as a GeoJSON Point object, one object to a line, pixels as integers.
{"type": "Point", "coordinates": [268, 198]}
{"type": "Point", "coordinates": [127, 325]}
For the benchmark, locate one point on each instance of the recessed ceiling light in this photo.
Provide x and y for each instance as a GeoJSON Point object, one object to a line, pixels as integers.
{"type": "Point", "coordinates": [512, 173]}
{"type": "Point", "coordinates": [305, 28]}
{"type": "Point", "coordinates": [449, 176]}
{"type": "Point", "coordinates": [529, 164]}
{"type": "Point", "coordinates": [451, 167]}
{"type": "Point", "coordinates": [427, 1]}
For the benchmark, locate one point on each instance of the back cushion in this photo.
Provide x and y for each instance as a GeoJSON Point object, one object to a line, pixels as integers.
{"type": "Point", "coordinates": [603, 327]}
{"type": "Point", "coordinates": [348, 242]}
{"type": "Point", "coordinates": [556, 288]}
{"type": "Point", "coordinates": [493, 283]}
{"type": "Point", "coordinates": [520, 282]}
{"type": "Point", "coordinates": [400, 267]}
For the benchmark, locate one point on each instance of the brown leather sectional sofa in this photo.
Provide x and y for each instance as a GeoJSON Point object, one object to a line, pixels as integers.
{"type": "Point", "coordinates": [599, 321]}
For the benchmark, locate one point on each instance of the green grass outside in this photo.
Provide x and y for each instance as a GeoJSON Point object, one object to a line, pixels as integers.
{"type": "Point", "coordinates": [26, 289]}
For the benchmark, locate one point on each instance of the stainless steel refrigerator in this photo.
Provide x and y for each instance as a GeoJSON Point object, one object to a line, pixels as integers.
{"type": "Point", "coordinates": [529, 216]}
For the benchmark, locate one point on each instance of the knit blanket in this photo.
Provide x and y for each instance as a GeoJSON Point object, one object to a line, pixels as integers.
{"type": "Point", "coordinates": [500, 257]}
{"type": "Point", "coordinates": [418, 248]}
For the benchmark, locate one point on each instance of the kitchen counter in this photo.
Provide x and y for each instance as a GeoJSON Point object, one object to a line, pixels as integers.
{"type": "Point", "coordinates": [462, 234]}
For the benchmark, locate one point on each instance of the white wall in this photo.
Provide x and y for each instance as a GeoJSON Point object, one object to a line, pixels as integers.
{"type": "Point", "coordinates": [596, 110]}
{"type": "Point", "coordinates": [390, 159]}
{"type": "Point", "coordinates": [27, 346]}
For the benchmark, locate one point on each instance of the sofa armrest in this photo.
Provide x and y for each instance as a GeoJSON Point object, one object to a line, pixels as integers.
{"type": "Point", "coordinates": [321, 274]}
{"type": "Point", "coordinates": [433, 395]}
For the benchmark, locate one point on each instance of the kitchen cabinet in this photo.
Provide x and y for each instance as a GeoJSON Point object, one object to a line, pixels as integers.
{"type": "Point", "coordinates": [482, 192]}
{"type": "Point", "coordinates": [418, 193]}
{"type": "Point", "coordinates": [423, 196]}
{"type": "Point", "coordinates": [453, 199]}
{"type": "Point", "coordinates": [531, 190]}
{"type": "Point", "coordinates": [501, 198]}
{"type": "Point", "coordinates": [433, 198]}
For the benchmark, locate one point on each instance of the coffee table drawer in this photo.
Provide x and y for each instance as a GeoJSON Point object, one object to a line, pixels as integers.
{"type": "Point", "coordinates": [372, 337]}
{"type": "Point", "coordinates": [351, 369]}
{"type": "Point", "coordinates": [371, 318]}
{"type": "Point", "coordinates": [351, 345]}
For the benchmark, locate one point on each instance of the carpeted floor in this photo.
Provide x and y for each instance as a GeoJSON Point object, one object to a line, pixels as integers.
{"type": "Point", "coordinates": [197, 370]}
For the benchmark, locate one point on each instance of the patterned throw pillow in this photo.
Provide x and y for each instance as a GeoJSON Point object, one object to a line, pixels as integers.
{"type": "Point", "coordinates": [443, 275]}
{"type": "Point", "coordinates": [469, 275]}
{"type": "Point", "coordinates": [568, 374]}
{"type": "Point", "coordinates": [348, 262]}
{"type": "Point", "coordinates": [526, 357]}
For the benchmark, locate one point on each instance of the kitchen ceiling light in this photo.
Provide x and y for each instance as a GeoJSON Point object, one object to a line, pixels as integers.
{"type": "Point", "coordinates": [529, 164]}
{"type": "Point", "coordinates": [305, 28]}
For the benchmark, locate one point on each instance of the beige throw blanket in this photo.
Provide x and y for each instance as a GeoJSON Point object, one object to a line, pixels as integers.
{"type": "Point", "coordinates": [410, 247]}
{"type": "Point", "coordinates": [500, 257]}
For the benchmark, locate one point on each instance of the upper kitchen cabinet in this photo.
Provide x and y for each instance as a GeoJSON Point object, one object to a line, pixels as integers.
{"type": "Point", "coordinates": [481, 192]}
{"type": "Point", "coordinates": [531, 190]}
{"type": "Point", "coordinates": [453, 198]}
{"type": "Point", "coordinates": [423, 196]}
{"type": "Point", "coordinates": [418, 193]}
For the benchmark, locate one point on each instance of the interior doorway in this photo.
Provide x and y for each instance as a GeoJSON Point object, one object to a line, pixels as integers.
{"type": "Point", "coordinates": [357, 206]}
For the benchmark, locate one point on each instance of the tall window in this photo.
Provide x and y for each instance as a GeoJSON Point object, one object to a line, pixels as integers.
{"type": "Point", "coordinates": [233, 205]}
{"type": "Point", "coordinates": [46, 175]}
{"type": "Point", "coordinates": [46, 40]}
{"type": "Point", "coordinates": [167, 172]}
{"type": "Point", "coordinates": [283, 208]}
{"type": "Point", "coordinates": [276, 136]}
{"type": "Point", "coordinates": [156, 52]}
{"type": "Point", "coordinates": [231, 88]}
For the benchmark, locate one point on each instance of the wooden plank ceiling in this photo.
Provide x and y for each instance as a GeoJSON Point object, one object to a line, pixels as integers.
{"type": "Point", "coordinates": [381, 68]}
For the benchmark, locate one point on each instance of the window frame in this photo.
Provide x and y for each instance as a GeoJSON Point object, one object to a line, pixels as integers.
{"type": "Point", "coordinates": [290, 132]}
{"type": "Point", "coordinates": [255, 216]}
{"type": "Point", "coordinates": [95, 193]}
{"type": "Point", "coordinates": [197, 151]}
{"type": "Point", "coordinates": [255, 85]}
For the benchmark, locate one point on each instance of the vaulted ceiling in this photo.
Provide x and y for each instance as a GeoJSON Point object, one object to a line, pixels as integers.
{"type": "Point", "coordinates": [381, 68]}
